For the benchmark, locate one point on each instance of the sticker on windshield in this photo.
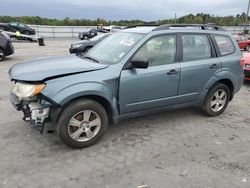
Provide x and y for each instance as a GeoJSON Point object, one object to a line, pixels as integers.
{"type": "Point", "coordinates": [127, 42]}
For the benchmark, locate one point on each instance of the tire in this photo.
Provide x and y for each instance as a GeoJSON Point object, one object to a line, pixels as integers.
{"type": "Point", "coordinates": [216, 100]}
{"type": "Point", "coordinates": [72, 120]}
{"type": "Point", "coordinates": [2, 54]}
{"type": "Point", "coordinates": [85, 37]}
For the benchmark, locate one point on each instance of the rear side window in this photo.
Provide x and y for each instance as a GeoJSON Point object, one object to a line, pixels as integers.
{"type": "Point", "coordinates": [224, 44]}
{"type": "Point", "coordinates": [195, 47]}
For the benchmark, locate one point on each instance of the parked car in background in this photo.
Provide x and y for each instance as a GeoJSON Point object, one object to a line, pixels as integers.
{"type": "Point", "coordinates": [112, 28]}
{"type": "Point", "coordinates": [107, 29]}
{"type": "Point", "coordinates": [6, 47]}
{"type": "Point", "coordinates": [83, 46]}
{"type": "Point", "coordinates": [6, 27]}
{"type": "Point", "coordinates": [16, 26]}
{"type": "Point", "coordinates": [87, 34]}
{"type": "Point", "coordinates": [247, 65]}
{"type": "Point", "coordinates": [133, 72]}
{"type": "Point", "coordinates": [243, 42]}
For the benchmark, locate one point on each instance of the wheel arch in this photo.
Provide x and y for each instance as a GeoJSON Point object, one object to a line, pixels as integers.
{"type": "Point", "coordinates": [229, 84]}
{"type": "Point", "coordinates": [98, 98]}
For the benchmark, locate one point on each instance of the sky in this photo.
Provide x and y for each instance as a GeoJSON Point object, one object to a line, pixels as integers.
{"type": "Point", "coordinates": [147, 10]}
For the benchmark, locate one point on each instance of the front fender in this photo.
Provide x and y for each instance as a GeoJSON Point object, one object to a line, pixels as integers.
{"type": "Point", "coordinates": [82, 89]}
{"type": "Point", "coordinates": [66, 94]}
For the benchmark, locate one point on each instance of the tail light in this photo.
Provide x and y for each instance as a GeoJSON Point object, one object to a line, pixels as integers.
{"type": "Point", "coordinates": [242, 62]}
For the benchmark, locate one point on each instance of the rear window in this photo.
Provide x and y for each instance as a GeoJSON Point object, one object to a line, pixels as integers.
{"type": "Point", "coordinates": [224, 44]}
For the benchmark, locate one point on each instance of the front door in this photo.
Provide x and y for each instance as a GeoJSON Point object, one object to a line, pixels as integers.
{"type": "Point", "coordinates": [156, 86]}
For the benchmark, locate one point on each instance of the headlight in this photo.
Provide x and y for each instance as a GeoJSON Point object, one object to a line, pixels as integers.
{"type": "Point", "coordinates": [76, 45]}
{"type": "Point", "coordinates": [27, 90]}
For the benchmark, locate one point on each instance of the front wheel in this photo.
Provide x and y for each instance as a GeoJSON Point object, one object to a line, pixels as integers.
{"type": "Point", "coordinates": [82, 123]}
{"type": "Point", "coordinates": [217, 100]}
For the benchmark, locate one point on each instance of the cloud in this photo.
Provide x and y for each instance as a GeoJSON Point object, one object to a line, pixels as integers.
{"type": "Point", "coordinates": [116, 10]}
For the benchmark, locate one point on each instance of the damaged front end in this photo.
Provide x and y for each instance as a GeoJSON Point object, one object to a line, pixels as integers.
{"type": "Point", "coordinates": [26, 97]}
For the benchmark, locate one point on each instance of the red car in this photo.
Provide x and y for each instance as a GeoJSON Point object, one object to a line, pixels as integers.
{"type": "Point", "coordinates": [247, 65]}
{"type": "Point", "coordinates": [243, 42]}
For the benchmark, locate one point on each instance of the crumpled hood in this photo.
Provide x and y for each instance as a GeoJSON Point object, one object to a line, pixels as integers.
{"type": "Point", "coordinates": [44, 69]}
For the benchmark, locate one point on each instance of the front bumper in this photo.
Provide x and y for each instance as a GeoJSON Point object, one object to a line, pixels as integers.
{"type": "Point", "coordinates": [77, 51]}
{"type": "Point", "coordinates": [34, 111]}
{"type": "Point", "coordinates": [9, 49]}
{"type": "Point", "coordinates": [73, 50]}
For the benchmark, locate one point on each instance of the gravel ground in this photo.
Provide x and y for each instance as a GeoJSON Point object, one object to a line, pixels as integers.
{"type": "Point", "coordinates": [179, 148]}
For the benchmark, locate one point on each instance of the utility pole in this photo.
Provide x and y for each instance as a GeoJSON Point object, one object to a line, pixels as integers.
{"type": "Point", "coordinates": [176, 18]}
{"type": "Point", "coordinates": [246, 19]}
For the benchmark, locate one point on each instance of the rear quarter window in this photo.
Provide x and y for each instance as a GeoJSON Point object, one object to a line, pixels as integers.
{"type": "Point", "coordinates": [224, 44]}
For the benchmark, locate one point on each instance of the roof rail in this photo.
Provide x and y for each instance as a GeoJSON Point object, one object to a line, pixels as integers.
{"type": "Point", "coordinates": [142, 25]}
{"type": "Point", "coordinates": [200, 26]}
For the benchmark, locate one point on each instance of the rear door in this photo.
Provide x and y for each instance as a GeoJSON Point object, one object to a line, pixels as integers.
{"type": "Point", "coordinates": [199, 64]}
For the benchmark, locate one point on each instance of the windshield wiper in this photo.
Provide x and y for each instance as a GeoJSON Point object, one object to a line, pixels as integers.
{"type": "Point", "coordinates": [91, 58]}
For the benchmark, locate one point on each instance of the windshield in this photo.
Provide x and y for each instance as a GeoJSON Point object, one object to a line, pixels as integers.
{"type": "Point", "coordinates": [115, 47]}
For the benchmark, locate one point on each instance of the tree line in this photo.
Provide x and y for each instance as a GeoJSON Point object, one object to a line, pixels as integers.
{"type": "Point", "coordinates": [199, 18]}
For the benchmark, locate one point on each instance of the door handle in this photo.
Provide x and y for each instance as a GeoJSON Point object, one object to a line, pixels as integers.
{"type": "Point", "coordinates": [173, 71]}
{"type": "Point", "coordinates": [213, 66]}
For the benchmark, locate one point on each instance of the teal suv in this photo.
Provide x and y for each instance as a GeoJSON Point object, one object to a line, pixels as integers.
{"type": "Point", "coordinates": [136, 71]}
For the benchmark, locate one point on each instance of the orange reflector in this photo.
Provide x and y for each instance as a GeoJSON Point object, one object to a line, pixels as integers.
{"type": "Point", "coordinates": [38, 89]}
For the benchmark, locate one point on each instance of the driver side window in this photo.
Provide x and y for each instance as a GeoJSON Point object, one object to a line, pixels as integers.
{"type": "Point", "coordinates": [159, 50]}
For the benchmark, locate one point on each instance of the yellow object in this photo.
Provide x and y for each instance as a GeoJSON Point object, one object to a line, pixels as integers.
{"type": "Point", "coordinates": [38, 89]}
{"type": "Point", "coordinates": [18, 34]}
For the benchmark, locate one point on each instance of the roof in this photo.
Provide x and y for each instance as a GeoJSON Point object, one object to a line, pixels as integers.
{"type": "Point", "coordinates": [169, 27]}
{"type": "Point", "coordinates": [140, 29]}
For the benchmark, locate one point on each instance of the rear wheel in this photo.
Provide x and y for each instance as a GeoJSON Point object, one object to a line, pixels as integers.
{"type": "Point", "coordinates": [217, 100]}
{"type": "Point", "coordinates": [2, 54]}
{"type": "Point", "coordinates": [82, 123]}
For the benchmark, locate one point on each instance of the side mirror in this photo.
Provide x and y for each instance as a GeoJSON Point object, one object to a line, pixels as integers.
{"type": "Point", "coordinates": [139, 62]}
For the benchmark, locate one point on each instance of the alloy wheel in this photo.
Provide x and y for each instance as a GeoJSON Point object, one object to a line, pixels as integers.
{"type": "Point", "coordinates": [84, 125]}
{"type": "Point", "coordinates": [218, 100]}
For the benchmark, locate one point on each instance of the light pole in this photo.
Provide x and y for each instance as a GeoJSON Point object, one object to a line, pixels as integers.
{"type": "Point", "coordinates": [246, 19]}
